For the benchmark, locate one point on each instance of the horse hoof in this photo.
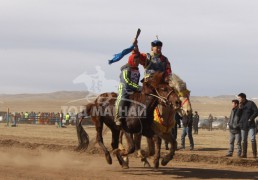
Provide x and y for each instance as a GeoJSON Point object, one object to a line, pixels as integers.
{"type": "Point", "coordinates": [125, 166]}
{"type": "Point", "coordinates": [108, 158]}
{"type": "Point", "coordinates": [116, 151]}
{"type": "Point", "coordinates": [126, 160]}
{"type": "Point", "coordinates": [156, 165]}
{"type": "Point", "coordinates": [164, 162]}
{"type": "Point", "coordinates": [146, 164]}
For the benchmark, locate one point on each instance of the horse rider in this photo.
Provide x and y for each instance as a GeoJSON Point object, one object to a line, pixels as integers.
{"type": "Point", "coordinates": [129, 79]}
{"type": "Point", "coordinates": [155, 61]}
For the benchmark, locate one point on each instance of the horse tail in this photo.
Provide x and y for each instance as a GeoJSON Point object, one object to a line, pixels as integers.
{"type": "Point", "coordinates": [83, 137]}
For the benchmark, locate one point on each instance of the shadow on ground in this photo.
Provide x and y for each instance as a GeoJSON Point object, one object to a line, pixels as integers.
{"type": "Point", "coordinates": [212, 149]}
{"type": "Point", "coordinates": [183, 173]}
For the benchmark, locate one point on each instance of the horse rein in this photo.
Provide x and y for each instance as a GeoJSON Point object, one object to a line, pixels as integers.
{"type": "Point", "coordinates": [186, 99]}
{"type": "Point", "coordinates": [162, 98]}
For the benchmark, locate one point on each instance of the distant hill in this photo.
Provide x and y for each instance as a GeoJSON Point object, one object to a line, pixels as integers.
{"type": "Point", "coordinates": [43, 102]}
{"type": "Point", "coordinates": [54, 102]}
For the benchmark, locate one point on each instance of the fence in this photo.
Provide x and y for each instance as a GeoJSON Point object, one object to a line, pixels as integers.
{"type": "Point", "coordinates": [45, 119]}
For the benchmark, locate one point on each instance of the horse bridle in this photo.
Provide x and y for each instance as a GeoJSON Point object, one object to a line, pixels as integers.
{"type": "Point", "coordinates": [162, 98]}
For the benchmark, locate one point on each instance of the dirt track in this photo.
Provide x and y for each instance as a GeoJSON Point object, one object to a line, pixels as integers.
{"type": "Point", "coordinates": [47, 152]}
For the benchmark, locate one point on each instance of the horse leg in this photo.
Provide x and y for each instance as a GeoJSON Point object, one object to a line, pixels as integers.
{"type": "Point", "coordinates": [140, 153]}
{"type": "Point", "coordinates": [99, 138]}
{"type": "Point", "coordinates": [137, 141]}
{"type": "Point", "coordinates": [151, 146]}
{"type": "Point", "coordinates": [130, 150]}
{"type": "Point", "coordinates": [157, 141]}
{"type": "Point", "coordinates": [115, 136]}
{"type": "Point", "coordinates": [166, 145]}
{"type": "Point", "coordinates": [169, 138]}
{"type": "Point", "coordinates": [121, 140]}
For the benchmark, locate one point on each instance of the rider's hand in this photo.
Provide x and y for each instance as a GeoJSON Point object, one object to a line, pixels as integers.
{"type": "Point", "coordinates": [135, 42]}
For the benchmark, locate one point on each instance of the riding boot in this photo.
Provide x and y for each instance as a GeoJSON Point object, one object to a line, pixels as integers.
{"type": "Point", "coordinates": [244, 150]}
{"type": "Point", "coordinates": [121, 110]}
{"type": "Point", "coordinates": [118, 121]}
{"type": "Point", "coordinates": [254, 148]}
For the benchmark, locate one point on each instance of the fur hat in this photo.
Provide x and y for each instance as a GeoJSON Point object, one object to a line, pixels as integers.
{"type": "Point", "coordinates": [156, 43]}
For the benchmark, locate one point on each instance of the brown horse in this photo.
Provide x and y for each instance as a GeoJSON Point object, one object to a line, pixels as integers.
{"type": "Point", "coordinates": [166, 126]}
{"type": "Point", "coordinates": [155, 91]}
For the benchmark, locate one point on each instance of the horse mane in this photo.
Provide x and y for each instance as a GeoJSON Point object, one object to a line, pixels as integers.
{"type": "Point", "coordinates": [156, 79]}
{"type": "Point", "coordinates": [177, 83]}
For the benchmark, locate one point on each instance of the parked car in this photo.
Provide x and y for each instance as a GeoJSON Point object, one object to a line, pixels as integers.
{"type": "Point", "coordinates": [203, 124]}
{"type": "Point", "coordinates": [216, 124]}
{"type": "Point", "coordinates": [219, 124]}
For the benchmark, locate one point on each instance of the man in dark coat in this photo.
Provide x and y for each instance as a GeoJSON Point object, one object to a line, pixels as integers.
{"type": "Point", "coordinates": [249, 112]}
{"type": "Point", "coordinates": [196, 118]}
{"type": "Point", "coordinates": [234, 129]}
{"type": "Point", "coordinates": [187, 130]}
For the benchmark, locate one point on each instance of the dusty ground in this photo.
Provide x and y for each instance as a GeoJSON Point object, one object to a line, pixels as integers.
{"type": "Point", "coordinates": [47, 152]}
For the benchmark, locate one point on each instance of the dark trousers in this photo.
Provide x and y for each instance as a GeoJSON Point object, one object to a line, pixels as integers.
{"type": "Point", "coordinates": [210, 126]}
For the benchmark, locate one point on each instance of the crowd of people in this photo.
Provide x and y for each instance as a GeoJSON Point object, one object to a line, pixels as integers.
{"type": "Point", "coordinates": [39, 117]}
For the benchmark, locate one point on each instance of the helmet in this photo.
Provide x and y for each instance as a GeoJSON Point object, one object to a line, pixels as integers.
{"type": "Point", "coordinates": [131, 59]}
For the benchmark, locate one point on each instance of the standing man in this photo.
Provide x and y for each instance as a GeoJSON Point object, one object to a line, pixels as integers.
{"type": "Point", "coordinates": [249, 112]}
{"type": "Point", "coordinates": [187, 130]}
{"type": "Point", "coordinates": [196, 119]}
{"type": "Point", "coordinates": [67, 118]}
{"type": "Point", "coordinates": [234, 129]}
{"type": "Point", "coordinates": [210, 119]}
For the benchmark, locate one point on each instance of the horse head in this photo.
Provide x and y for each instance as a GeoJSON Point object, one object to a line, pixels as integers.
{"type": "Point", "coordinates": [186, 107]}
{"type": "Point", "coordinates": [156, 86]}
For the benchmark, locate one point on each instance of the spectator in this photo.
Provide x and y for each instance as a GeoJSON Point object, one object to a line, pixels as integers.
{"type": "Point", "coordinates": [210, 119]}
{"type": "Point", "coordinates": [67, 118]}
{"type": "Point", "coordinates": [234, 129]}
{"type": "Point", "coordinates": [187, 130]}
{"type": "Point", "coordinates": [26, 115]}
{"type": "Point", "coordinates": [61, 117]}
{"type": "Point", "coordinates": [196, 119]}
{"type": "Point", "coordinates": [249, 112]}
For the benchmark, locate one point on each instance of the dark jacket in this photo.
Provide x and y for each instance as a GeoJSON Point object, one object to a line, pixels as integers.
{"type": "Point", "coordinates": [187, 121]}
{"type": "Point", "coordinates": [234, 121]}
{"type": "Point", "coordinates": [178, 118]}
{"type": "Point", "coordinates": [248, 112]}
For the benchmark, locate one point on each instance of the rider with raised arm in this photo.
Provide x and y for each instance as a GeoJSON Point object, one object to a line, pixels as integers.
{"type": "Point", "coordinates": [155, 60]}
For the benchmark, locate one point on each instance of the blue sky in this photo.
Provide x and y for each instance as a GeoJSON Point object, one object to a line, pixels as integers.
{"type": "Point", "coordinates": [46, 45]}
